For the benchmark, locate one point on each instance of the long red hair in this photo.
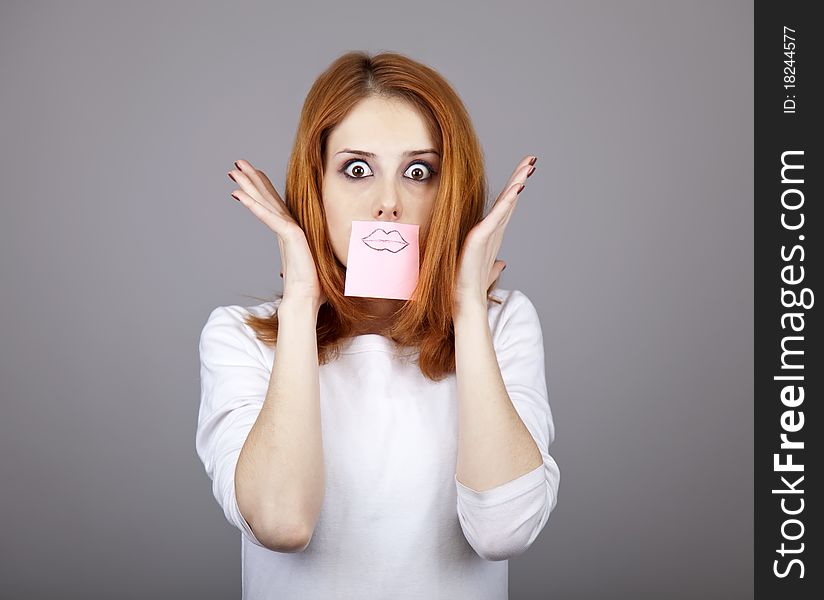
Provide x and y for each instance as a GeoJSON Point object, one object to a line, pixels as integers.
{"type": "Point", "coordinates": [425, 320]}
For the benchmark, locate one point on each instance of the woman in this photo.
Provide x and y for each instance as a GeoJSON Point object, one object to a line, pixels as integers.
{"type": "Point", "coordinates": [378, 447]}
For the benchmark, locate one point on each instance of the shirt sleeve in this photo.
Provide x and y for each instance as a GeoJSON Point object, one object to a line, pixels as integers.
{"type": "Point", "coordinates": [233, 385]}
{"type": "Point", "coordinates": [502, 522]}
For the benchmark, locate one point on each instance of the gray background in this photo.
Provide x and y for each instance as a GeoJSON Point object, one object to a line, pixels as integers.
{"type": "Point", "coordinates": [118, 236]}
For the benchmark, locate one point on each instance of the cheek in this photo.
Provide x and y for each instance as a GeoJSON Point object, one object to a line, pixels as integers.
{"type": "Point", "coordinates": [336, 219]}
{"type": "Point", "coordinates": [338, 229]}
{"type": "Point", "coordinates": [426, 219]}
{"type": "Point", "coordinates": [429, 209]}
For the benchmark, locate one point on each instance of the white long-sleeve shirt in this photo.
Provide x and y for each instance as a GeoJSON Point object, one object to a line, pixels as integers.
{"type": "Point", "coordinates": [395, 521]}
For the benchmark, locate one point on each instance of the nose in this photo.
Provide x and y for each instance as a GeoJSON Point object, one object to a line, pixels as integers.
{"type": "Point", "coordinates": [388, 206]}
{"type": "Point", "coordinates": [394, 213]}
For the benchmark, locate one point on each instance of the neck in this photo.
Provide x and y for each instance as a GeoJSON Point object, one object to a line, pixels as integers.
{"type": "Point", "coordinates": [381, 311]}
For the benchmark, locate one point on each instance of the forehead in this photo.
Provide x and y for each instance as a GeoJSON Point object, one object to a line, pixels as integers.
{"type": "Point", "coordinates": [381, 125]}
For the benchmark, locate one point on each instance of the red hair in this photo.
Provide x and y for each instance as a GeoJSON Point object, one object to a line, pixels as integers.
{"type": "Point", "coordinates": [425, 320]}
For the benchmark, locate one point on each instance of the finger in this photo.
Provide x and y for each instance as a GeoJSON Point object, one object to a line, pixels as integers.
{"type": "Point", "coordinates": [492, 228]}
{"type": "Point", "coordinates": [258, 177]}
{"type": "Point", "coordinates": [250, 187]}
{"type": "Point", "coordinates": [279, 202]}
{"type": "Point", "coordinates": [269, 187]}
{"type": "Point", "coordinates": [514, 199]}
{"type": "Point", "coordinates": [524, 169]}
{"type": "Point", "coordinates": [497, 268]}
{"type": "Point", "coordinates": [502, 209]}
{"type": "Point", "coordinates": [512, 206]}
{"type": "Point", "coordinates": [282, 257]}
{"type": "Point", "coordinates": [250, 181]}
{"type": "Point", "coordinates": [505, 203]}
{"type": "Point", "coordinates": [269, 217]}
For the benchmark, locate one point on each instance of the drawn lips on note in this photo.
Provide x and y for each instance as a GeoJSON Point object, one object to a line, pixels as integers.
{"type": "Point", "coordinates": [380, 239]}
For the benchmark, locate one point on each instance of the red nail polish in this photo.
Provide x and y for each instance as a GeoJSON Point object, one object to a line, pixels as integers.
{"type": "Point", "coordinates": [531, 171]}
{"type": "Point", "coordinates": [232, 178]}
{"type": "Point", "coordinates": [235, 197]}
{"type": "Point", "coordinates": [238, 166]}
{"type": "Point", "coordinates": [281, 275]}
{"type": "Point", "coordinates": [532, 162]}
{"type": "Point", "coordinates": [520, 188]}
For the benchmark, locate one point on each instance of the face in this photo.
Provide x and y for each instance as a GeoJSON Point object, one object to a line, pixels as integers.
{"type": "Point", "coordinates": [380, 165]}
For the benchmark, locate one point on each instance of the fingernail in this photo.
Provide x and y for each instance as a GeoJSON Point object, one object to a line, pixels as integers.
{"type": "Point", "coordinates": [238, 166]}
{"type": "Point", "coordinates": [235, 197]}
{"type": "Point", "coordinates": [232, 178]}
{"type": "Point", "coordinates": [532, 162]}
{"type": "Point", "coordinates": [504, 269]}
{"type": "Point", "coordinates": [281, 275]}
{"type": "Point", "coordinates": [531, 171]}
{"type": "Point", "coordinates": [520, 188]}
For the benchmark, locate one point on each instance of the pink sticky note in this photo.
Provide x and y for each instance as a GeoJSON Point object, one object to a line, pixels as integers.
{"type": "Point", "coordinates": [383, 260]}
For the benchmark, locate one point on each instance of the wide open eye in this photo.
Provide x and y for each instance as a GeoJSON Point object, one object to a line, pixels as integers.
{"type": "Point", "coordinates": [420, 171]}
{"type": "Point", "coordinates": [358, 172]}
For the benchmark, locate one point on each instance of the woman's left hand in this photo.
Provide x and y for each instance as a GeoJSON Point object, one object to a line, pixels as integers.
{"type": "Point", "coordinates": [478, 266]}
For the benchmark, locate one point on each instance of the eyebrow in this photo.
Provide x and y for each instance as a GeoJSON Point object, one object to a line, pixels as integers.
{"type": "Point", "coordinates": [373, 155]}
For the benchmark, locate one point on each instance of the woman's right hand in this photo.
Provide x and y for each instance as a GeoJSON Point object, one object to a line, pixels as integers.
{"type": "Point", "coordinates": [257, 193]}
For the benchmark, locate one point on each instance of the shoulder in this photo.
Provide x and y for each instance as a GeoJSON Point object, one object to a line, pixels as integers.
{"type": "Point", "coordinates": [236, 314]}
{"type": "Point", "coordinates": [226, 326]}
{"type": "Point", "coordinates": [516, 311]}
